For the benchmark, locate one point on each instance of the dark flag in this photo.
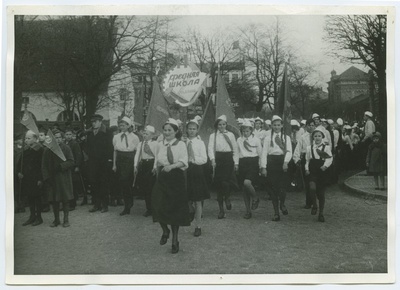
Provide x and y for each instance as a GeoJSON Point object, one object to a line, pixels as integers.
{"type": "Point", "coordinates": [283, 103]}
{"type": "Point", "coordinates": [29, 123]}
{"type": "Point", "coordinates": [224, 106]}
{"type": "Point", "coordinates": [207, 122]}
{"type": "Point", "coordinates": [138, 110]}
{"type": "Point", "coordinates": [158, 109]}
{"type": "Point", "coordinates": [51, 143]}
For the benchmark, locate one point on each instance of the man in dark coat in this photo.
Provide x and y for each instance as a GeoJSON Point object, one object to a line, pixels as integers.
{"type": "Point", "coordinates": [30, 177]}
{"type": "Point", "coordinates": [98, 148]}
{"type": "Point", "coordinates": [58, 180]}
{"type": "Point", "coordinates": [76, 172]}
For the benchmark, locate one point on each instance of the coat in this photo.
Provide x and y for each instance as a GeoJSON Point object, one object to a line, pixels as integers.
{"type": "Point", "coordinates": [57, 176]}
{"type": "Point", "coordinates": [31, 169]}
{"type": "Point", "coordinates": [76, 152]}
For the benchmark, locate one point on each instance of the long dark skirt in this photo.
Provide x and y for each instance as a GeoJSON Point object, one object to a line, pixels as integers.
{"type": "Point", "coordinates": [316, 174]}
{"type": "Point", "coordinates": [225, 169]}
{"type": "Point", "coordinates": [196, 183]}
{"type": "Point", "coordinates": [277, 178]}
{"type": "Point", "coordinates": [248, 169]}
{"type": "Point", "coordinates": [169, 198]}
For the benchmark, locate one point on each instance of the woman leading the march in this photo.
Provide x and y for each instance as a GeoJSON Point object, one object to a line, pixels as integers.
{"type": "Point", "coordinates": [169, 196]}
{"type": "Point", "coordinates": [224, 155]}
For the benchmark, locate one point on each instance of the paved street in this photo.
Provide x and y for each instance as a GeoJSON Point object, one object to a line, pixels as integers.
{"type": "Point", "coordinates": [352, 240]}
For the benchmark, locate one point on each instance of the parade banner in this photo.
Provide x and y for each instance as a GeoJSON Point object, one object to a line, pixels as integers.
{"type": "Point", "coordinates": [158, 109]}
{"type": "Point", "coordinates": [283, 103]}
{"type": "Point", "coordinates": [184, 84]}
{"type": "Point", "coordinates": [207, 122]}
{"type": "Point", "coordinates": [29, 123]}
{"type": "Point", "coordinates": [224, 106]}
{"type": "Point", "coordinates": [51, 143]}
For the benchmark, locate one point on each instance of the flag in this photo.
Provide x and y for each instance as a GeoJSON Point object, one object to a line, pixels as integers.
{"type": "Point", "coordinates": [138, 109]}
{"type": "Point", "coordinates": [29, 123]}
{"type": "Point", "coordinates": [283, 103]}
{"type": "Point", "coordinates": [224, 106]}
{"type": "Point", "coordinates": [207, 122]}
{"type": "Point", "coordinates": [158, 109]}
{"type": "Point", "coordinates": [51, 143]}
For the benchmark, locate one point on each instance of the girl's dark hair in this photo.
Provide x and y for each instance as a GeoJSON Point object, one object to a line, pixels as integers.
{"type": "Point", "coordinates": [217, 122]}
{"type": "Point", "coordinates": [172, 125]}
{"type": "Point", "coordinates": [315, 131]}
{"type": "Point", "coordinates": [309, 121]}
{"type": "Point", "coordinates": [242, 127]}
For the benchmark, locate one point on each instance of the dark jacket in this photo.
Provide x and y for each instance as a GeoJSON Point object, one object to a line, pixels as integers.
{"type": "Point", "coordinates": [76, 151]}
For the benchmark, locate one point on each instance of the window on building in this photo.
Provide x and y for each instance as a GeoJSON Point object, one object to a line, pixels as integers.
{"type": "Point", "coordinates": [64, 116]}
{"type": "Point", "coordinates": [235, 77]}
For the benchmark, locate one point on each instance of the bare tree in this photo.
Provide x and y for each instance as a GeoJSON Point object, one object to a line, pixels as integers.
{"type": "Point", "coordinates": [361, 39]}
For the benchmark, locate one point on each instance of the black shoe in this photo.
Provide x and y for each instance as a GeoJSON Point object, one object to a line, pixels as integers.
{"type": "Point", "coordinates": [29, 221]}
{"type": "Point", "coordinates": [125, 212]}
{"type": "Point", "coordinates": [84, 201]}
{"type": "Point", "coordinates": [284, 210]}
{"type": "Point", "coordinates": [276, 218]}
{"type": "Point", "coordinates": [94, 209]}
{"type": "Point", "coordinates": [147, 213]}
{"type": "Point", "coordinates": [228, 203]}
{"type": "Point", "coordinates": [197, 232]}
{"type": "Point", "coordinates": [321, 218]}
{"type": "Point", "coordinates": [54, 224]}
{"type": "Point", "coordinates": [247, 215]}
{"type": "Point", "coordinates": [46, 208]}
{"type": "Point", "coordinates": [221, 215]}
{"type": "Point", "coordinates": [104, 209]}
{"type": "Point", "coordinates": [175, 248]}
{"type": "Point", "coordinates": [314, 210]}
{"type": "Point", "coordinates": [66, 224]}
{"type": "Point", "coordinates": [254, 204]}
{"type": "Point", "coordinates": [164, 238]}
{"type": "Point", "coordinates": [38, 221]}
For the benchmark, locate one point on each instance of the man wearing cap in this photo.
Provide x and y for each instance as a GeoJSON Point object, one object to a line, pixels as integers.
{"type": "Point", "coordinates": [258, 131]}
{"type": "Point", "coordinates": [125, 144]}
{"type": "Point", "coordinates": [143, 166]}
{"type": "Point", "coordinates": [99, 151]}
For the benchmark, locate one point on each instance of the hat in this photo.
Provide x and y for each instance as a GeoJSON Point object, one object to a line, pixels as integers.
{"type": "Point", "coordinates": [339, 121]}
{"type": "Point", "coordinates": [197, 117]}
{"type": "Point", "coordinates": [258, 119]}
{"type": "Point", "coordinates": [246, 123]}
{"type": "Point", "coordinates": [315, 115]}
{"type": "Point", "coordinates": [303, 122]}
{"type": "Point", "coordinates": [294, 123]}
{"type": "Point", "coordinates": [376, 134]}
{"type": "Point", "coordinates": [126, 120]}
{"type": "Point", "coordinates": [96, 117]}
{"type": "Point", "coordinates": [347, 127]}
{"type": "Point", "coordinates": [179, 122]}
{"type": "Point", "coordinates": [355, 125]}
{"type": "Point", "coordinates": [193, 121]}
{"type": "Point", "coordinates": [276, 117]}
{"type": "Point", "coordinates": [324, 120]}
{"type": "Point", "coordinates": [268, 122]}
{"type": "Point", "coordinates": [172, 122]}
{"type": "Point", "coordinates": [240, 120]}
{"type": "Point", "coordinates": [330, 121]}
{"type": "Point", "coordinates": [222, 117]}
{"type": "Point", "coordinates": [369, 114]}
{"type": "Point", "coordinates": [150, 129]}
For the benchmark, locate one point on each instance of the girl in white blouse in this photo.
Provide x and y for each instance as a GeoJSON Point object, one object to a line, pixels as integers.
{"type": "Point", "coordinates": [196, 181]}
{"type": "Point", "coordinates": [318, 160]}
{"type": "Point", "coordinates": [223, 153]}
{"type": "Point", "coordinates": [250, 150]}
{"type": "Point", "coordinates": [169, 196]}
{"type": "Point", "coordinates": [277, 152]}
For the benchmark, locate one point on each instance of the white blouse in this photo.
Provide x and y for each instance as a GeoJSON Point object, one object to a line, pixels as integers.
{"type": "Point", "coordinates": [199, 150]}
{"type": "Point", "coordinates": [144, 155]}
{"type": "Point", "coordinates": [120, 143]}
{"type": "Point", "coordinates": [327, 149]}
{"type": "Point", "coordinates": [223, 146]}
{"type": "Point", "coordinates": [255, 147]}
{"type": "Point", "coordinates": [275, 149]}
{"type": "Point", "coordinates": [179, 151]}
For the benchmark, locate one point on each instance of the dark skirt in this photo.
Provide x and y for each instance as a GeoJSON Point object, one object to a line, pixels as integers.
{"type": "Point", "coordinates": [169, 198]}
{"type": "Point", "coordinates": [225, 169]}
{"type": "Point", "coordinates": [248, 169]}
{"type": "Point", "coordinates": [316, 174]}
{"type": "Point", "coordinates": [124, 162]}
{"type": "Point", "coordinates": [145, 178]}
{"type": "Point", "coordinates": [196, 183]}
{"type": "Point", "coordinates": [276, 177]}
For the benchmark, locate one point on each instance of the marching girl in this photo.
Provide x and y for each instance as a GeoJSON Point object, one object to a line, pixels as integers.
{"type": "Point", "coordinates": [276, 154]}
{"type": "Point", "coordinates": [318, 160]}
{"type": "Point", "coordinates": [169, 196]}
{"type": "Point", "coordinates": [250, 150]}
{"type": "Point", "coordinates": [196, 181]}
{"type": "Point", "coordinates": [223, 153]}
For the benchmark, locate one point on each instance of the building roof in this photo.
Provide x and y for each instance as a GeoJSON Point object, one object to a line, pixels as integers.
{"type": "Point", "coordinates": [353, 73]}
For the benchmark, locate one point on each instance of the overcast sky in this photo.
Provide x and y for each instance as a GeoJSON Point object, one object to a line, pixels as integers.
{"type": "Point", "coordinates": [304, 32]}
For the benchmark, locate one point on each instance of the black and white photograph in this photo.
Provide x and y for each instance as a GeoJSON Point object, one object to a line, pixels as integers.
{"type": "Point", "coordinates": [200, 145]}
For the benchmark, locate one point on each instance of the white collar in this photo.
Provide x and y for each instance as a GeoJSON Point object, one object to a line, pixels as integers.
{"type": "Point", "coordinates": [170, 142]}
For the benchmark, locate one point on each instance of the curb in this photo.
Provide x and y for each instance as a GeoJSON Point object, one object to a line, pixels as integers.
{"type": "Point", "coordinates": [363, 192]}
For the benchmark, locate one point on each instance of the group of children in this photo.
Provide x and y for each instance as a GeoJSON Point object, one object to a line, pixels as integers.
{"type": "Point", "coordinates": [171, 170]}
